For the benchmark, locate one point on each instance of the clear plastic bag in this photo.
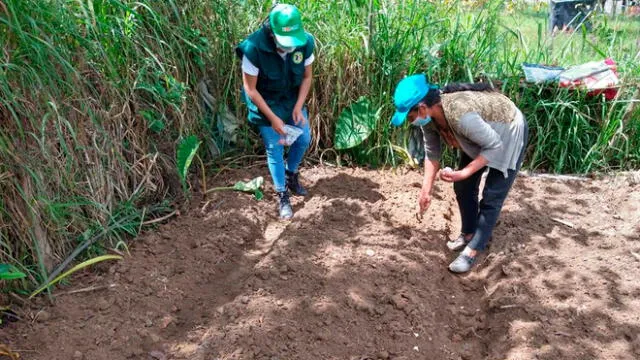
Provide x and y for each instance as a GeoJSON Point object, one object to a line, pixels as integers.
{"type": "Point", "coordinates": [540, 73]}
{"type": "Point", "coordinates": [292, 135]}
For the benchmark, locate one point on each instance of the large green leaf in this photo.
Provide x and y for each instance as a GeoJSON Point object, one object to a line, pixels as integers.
{"type": "Point", "coordinates": [252, 186]}
{"type": "Point", "coordinates": [186, 151]}
{"type": "Point", "coordinates": [9, 272]}
{"type": "Point", "coordinates": [249, 186]}
{"type": "Point", "coordinates": [355, 124]}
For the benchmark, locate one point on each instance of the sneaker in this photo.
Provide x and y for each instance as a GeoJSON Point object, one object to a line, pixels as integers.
{"type": "Point", "coordinates": [286, 212]}
{"type": "Point", "coordinates": [294, 185]}
{"type": "Point", "coordinates": [457, 244]}
{"type": "Point", "coordinates": [463, 263]}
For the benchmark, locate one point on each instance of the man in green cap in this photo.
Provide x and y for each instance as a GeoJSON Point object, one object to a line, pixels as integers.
{"type": "Point", "coordinates": [276, 77]}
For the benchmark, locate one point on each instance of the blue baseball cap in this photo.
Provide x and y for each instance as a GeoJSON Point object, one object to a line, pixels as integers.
{"type": "Point", "coordinates": [408, 94]}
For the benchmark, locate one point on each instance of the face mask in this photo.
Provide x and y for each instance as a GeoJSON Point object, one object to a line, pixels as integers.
{"type": "Point", "coordinates": [421, 122]}
{"type": "Point", "coordinates": [287, 50]}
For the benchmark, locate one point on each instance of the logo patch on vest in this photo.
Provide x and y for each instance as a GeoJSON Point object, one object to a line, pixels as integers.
{"type": "Point", "coordinates": [297, 57]}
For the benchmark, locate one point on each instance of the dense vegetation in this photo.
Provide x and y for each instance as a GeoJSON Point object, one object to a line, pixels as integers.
{"type": "Point", "coordinates": [96, 96]}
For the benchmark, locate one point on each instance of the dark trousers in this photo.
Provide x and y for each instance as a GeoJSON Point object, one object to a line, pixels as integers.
{"type": "Point", "coordinates": [479, 218]}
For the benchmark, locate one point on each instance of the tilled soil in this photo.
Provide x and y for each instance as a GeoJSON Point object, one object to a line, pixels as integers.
{"type": "Point", "coordinates": [355, 275]}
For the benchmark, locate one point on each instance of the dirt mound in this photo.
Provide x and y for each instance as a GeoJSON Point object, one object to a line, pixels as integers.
{"type": "Point", "coordinates": [356, 276]}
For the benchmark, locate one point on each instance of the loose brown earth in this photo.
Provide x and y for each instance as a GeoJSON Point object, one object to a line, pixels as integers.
{"type": "Point", "coordinates": [356, 276]}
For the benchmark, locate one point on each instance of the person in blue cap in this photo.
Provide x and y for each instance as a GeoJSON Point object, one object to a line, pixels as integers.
{"type": "Point", "coordinates": [276, 78]}
{"type": "Point", "coordinates": [491, 134]}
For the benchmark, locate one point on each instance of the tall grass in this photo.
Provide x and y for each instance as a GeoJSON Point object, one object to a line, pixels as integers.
{"type": "Point", "coordinates": [95, 95]}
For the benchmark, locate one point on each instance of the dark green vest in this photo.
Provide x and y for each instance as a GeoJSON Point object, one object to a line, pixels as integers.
{"type": "Point", "coordinates": [279, 79]}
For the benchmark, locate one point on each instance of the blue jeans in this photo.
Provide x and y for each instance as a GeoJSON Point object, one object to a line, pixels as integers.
{"type": "Point", "coordinates": [479, 219]}
{"type": "Point", "coordinates": [275, 151]}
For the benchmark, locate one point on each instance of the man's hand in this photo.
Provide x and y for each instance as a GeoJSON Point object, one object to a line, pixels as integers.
{"type": "Point", "coordinates": [453, 176]}
{"type": "Point", "coordinates": [278, 125]}
{"type": "Point", "coordinates": [298, 116]}
{"type": "Point", "coordinates": [424, 200]}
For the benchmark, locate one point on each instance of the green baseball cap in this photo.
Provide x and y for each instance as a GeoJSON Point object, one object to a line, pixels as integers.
{"type": "Point", "coordinates": [409, 92]}
{"type": "Point", "coordinates": [286, 24]}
